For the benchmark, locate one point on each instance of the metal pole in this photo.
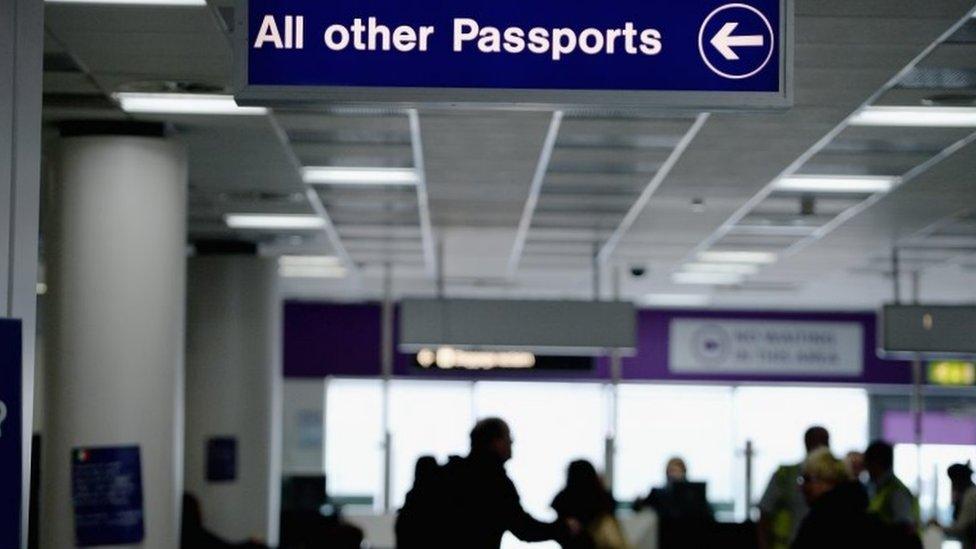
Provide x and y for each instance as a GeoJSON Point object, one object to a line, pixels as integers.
{"type": "Point", "coordinates": [896, 275]}
{"type": "Point", "coordinates": [750, 453]}
{"type": "Point", "coordinates": [596, 271]}
{"type": "Point", "coordinates": [387, 369]}
{"type": "Point", "coordinates": [918, 398]}
{"type": "Point", "coordinates": [440, 268]}
{"type": "Point", "coordinates": [610, 446]}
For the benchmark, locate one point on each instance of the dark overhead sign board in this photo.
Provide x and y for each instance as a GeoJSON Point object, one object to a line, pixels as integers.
{"type": "Point", "coordinates": [928, 330]}
{"type": "Point", "coordinates": [617, 54]}
{"type": "Point", "coordinates": [575, 328]}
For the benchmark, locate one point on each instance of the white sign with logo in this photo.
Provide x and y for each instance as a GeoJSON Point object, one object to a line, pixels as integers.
{"type": "Point", "coordinates": [720, 346]}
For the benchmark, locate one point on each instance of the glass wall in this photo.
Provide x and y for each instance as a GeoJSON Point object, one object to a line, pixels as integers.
{"type": "Point", "coordinates": [554, 423]}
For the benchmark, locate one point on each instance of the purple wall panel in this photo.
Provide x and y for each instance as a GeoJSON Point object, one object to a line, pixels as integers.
{"type": "Point", "coordinates": [937, 428]}
{"type": "Point", "coordinates": [323, 339]}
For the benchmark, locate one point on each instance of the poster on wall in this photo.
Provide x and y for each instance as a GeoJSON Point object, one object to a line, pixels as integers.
{"type": "Point", "coordinates": [106, 491]}
{"type": "Point", "coordinates": [222, 459]}
{"type": "Point", "coordinates": [11, 449]}
{"type": "Point", "coordinates": [766, 347]}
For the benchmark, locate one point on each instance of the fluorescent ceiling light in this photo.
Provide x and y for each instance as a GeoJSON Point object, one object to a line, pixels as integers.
{"type": "Point", "coordinates": [719, 279]}
{"type": "Point", "coordinates": [330, 175]}
{"type": "Point", "coordinates": [944, 117]}
{"type": "Point", "coordinates": [274, 221]}
{"type": "Point", "coordinates": [309, 261]}
{"type": "Point", "coordinates": [188, 3]}
{"type": "Point", "coordinates": [737, 256]}
{"type": "Point", "coordinates": [738, 268]}
{"type": "Point", "coordinates": [775, 230]}
{"type": "Point", "coordinates": [861, 184]}
{"type": "Point", "coordinates": [312, 271]}
{"type": "Point", "coordinates": [676, 300]}
{"type": "Point", "coordinates": [182, 103]}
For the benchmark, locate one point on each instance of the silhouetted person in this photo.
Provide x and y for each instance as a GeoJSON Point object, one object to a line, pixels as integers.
{"type": "Point", "coordinates": [684, 515]}
{"type": "Point", "coordinates": [837, 516]}
{"type": "Point", "coordinates": [782, 507]}
{"type": "Point", "coordinates": [891, 502]}
{"type": "Point", "coordinates": [482, 502]}
{"type": "Point", "coordinates": [586, 500]}
{"type": "Point", "coordinates": [420, 513]}
{"type": "Point", "coordinates": [963, 527]}
{"type": "Point", "coordinates": [193, 535]}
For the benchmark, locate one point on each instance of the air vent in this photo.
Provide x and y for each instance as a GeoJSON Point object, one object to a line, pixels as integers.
{"type": "Point", "coordinates": [939, 77]}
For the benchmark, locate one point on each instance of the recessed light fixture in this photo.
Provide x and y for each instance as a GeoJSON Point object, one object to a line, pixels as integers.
{"type": "Point", "coordinates": [860, 184]}
{"type": "Point", "coordinates": [274, 221]}
{"type": "Point", "coordinates": [174, 3]}
{"type": "Point", "coordinates": [715, 279]}
{"type": "Point", "coordinates": [934, 117]}
{"type": "Point", "coordinates": [675, 300]}
{"type": "Point", "coordinates": [736, 256]}
{"type": "Point", "coordinates": [738, 268]}
{"type": "Point", "coordinates": [182, 103]}
{"type": "Point", "coordinates": [331, 175]}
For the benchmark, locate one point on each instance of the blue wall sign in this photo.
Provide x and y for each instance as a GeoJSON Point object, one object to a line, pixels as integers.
{"type": "Point", "coordinates": [11, 447]}
{"type": "Point", "coordinates": [106, 490]}
{"type": "Point", "coordinates": [633, 52]}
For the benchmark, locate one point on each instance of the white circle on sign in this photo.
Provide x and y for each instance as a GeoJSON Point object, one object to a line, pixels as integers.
{"type": "Point", "coordinates": [701, 42]}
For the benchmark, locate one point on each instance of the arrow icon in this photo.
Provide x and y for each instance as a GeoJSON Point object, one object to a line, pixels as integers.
{"type": "Point", "coordinates": [724, 41]}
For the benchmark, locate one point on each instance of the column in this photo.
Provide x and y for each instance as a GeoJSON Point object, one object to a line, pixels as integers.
{"type": "Point", "coordinates": [21, 53]}
{"type": "Point", "coordinates": [116, 266]}
{"type": "Point", "coordinates": [233, 387]}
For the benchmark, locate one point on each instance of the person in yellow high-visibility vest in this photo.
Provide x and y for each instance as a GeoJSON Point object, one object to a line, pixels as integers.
{"type": "Point", "coordinates": [891, 502]}
{"type": "Point", "coordinates": [782, 507]}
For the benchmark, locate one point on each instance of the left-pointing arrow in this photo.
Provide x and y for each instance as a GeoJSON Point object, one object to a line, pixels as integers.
{"type": "Point", "coordinates": [724, 41]}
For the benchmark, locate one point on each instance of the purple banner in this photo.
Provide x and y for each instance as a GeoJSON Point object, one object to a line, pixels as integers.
{"type": "Point", "coordinates": [323, 339]}
{"type": "Point", "coordinates": [937, 428]}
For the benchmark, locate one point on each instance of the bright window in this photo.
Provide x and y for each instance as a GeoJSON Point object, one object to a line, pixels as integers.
{"type": "Point", "coordinates": [775, 418]}
{"type": "Point", "coordinates": [426, 418]}
{"type": "Point", "coordinates": [354, 439]}
{"type": "Point", "coordinates": [657, 422]}
{"type": "Point", "coordinates": [552, 424]}
{"type": "Point", "coordinates": [935, 459]}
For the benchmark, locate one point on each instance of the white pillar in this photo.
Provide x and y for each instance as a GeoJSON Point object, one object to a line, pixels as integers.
{"type": "Point", "coordinates": [21, 47]}
{"type": "Point", "coordinates": [233, 388]}
{"type": "Point", "coordinates": [115, 346]}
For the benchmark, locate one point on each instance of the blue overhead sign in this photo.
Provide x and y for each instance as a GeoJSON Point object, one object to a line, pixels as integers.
{"type": "Point", "coordinates": [636, 53]}
{"type": "Point", "coordinates": [11, 449]}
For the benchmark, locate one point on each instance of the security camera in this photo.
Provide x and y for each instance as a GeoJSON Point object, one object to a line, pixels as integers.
{"type": "Point", "coordinates": [637, 270]}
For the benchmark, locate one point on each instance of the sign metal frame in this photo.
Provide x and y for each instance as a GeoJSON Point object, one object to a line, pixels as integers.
{"type": "Point", "coordinates": [507, 98]}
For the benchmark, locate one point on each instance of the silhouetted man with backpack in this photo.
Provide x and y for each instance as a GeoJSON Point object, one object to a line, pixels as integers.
{"type": "Point", "coordinates": [476, 502]}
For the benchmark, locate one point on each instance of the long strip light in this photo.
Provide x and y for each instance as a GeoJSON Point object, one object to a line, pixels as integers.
{"type": "Point", "coordinates": [174, 3]}
{"type": "Point", "coordinates": [274, 221]}
{"type": "Point", "coordinates": [311, 266]}
{"type": "Point", "coordinates": [737, 268]}
{"type": "Point", "coordinates": [182, 103]}
{"type": "Point", "coordinates": [934, 117]}
{"type": "Point", "coordinates": [715, 279]}
{"type": "Point", "coordinates": [859, 184]}
{"type": "Point", "coordinates": [737, 256]}
{"type": "Point", "coordinates": [675, 300]}
{"type": "Point", "coordinates": [331, 175]}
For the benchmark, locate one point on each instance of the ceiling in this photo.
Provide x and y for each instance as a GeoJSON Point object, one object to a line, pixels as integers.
{"type": "Point", "coordinates": [501, 213]}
